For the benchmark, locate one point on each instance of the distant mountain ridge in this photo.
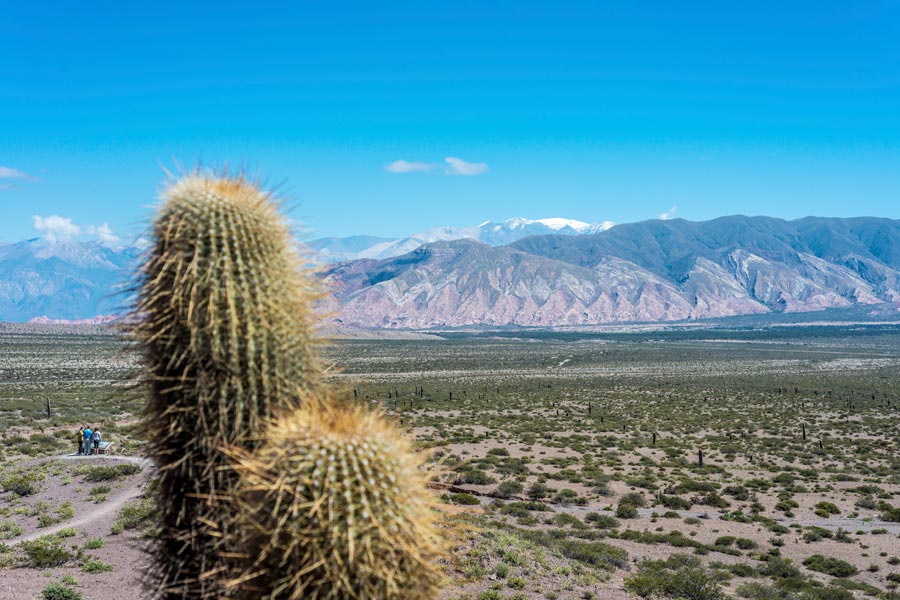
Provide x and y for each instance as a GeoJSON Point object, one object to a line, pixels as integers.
{"type": "Point", "coordinates": [650, 271]}
{"type": "Point", "coordinates": [332, 249]}
{"type": "Point", "coordinates": [639, 272]}
{"type": "Point", "coordinates": [62, 280]}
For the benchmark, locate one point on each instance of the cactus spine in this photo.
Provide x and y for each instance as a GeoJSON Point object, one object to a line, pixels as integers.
{"type": "Point", "coordinates": [355, 519]}
{"type": "Point", "coordinates": [224, 315]}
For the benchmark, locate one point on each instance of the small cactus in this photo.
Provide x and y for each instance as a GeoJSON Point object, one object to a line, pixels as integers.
{"type": "Point", "coordinates": [224, 317]}
{"type": "Point", "coordinates": [335, 505]}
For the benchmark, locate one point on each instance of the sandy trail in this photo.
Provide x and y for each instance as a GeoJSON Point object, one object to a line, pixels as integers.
{"type": "Point", "coordinates": [111, 505]}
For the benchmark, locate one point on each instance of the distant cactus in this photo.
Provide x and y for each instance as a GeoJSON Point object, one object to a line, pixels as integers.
{"type": "Point", "coordinates": [335, 505]}
{"type": "Point", "coordinates": [224, 317]}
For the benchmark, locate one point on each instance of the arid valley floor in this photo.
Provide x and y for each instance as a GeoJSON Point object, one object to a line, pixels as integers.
{"type": "Point", "coordinates": [698, 464]}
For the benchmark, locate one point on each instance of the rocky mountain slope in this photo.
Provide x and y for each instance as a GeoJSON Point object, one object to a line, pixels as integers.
{"type": "Point", "coordinates": [650, 271]}
{"type": "Point", "coordinates": [67, 280]}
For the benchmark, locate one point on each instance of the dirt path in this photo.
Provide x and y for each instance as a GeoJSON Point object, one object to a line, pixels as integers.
{"type": "Point", "coordinates": [111, 505]}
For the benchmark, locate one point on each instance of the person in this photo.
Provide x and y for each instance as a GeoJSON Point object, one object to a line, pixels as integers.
{"type": "Point", "coordinates": [96, 438]}
{"type": "Point", "coordinates": [87, 440]}
{"type": "Point", "coordinates": [81, 440]}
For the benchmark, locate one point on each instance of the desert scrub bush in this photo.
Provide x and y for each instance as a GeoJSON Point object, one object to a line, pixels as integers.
{"type": "Point", "coordinates": [59, 591]}
{"type": "Point", "coordinates": [464, 499]}
{"type": "Point", "coordinates": [225, 326]}
{"type": "Point", "coordinates": [45, 551]}
{"type": "Point", "coordinates": [596, 554]}
{"type": "Point", "coordinates": [626, 510]}
{"type": "Point", "coordinates": [830, 566]}
{"type": "Point", "coordinates": [355, 517]}
{"type": "Point", "coordinates": [538, 491]}
{"type": "Point", "coordinates": [508, 489]}
{"type": "Point", "coordinates": [10, 529]}
{"type": "Point", "coordinates": [98, 493]}
{"type": "Point", "coordinates": [94, 543]}
{"type": "Point", "coordinates": [674, 502]}
{"type": "Point", "coordinates": [23, 483]}
{"type": "Point", "coordinates": [679, 576]}
{"type": "Point", "coordinates": [601, 521]}
{"type": "Point", "coordinates": [889, 513]}
{"type": "Point", "coordinates": [826, 509]}
{"type": "Point", "coordinates": [99, 473]}
{"type": "Point", "coordinates": [135, 514]}
{"type": "Point", "coordinates": [475, 477]}
{"type": "Point", "coordinates": [89, 565]}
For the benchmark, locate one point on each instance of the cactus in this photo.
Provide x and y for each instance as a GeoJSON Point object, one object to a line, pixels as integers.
{"type": "Point", "coordinates": [354, 517]}
{"type": "Point", "coordinates": [224, 318]}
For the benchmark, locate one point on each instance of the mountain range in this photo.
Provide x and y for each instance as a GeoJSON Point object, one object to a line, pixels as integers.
{"type": "Point", "coordinates": [502, 274]}
{"type": "Point", "coordinates": [649, 271]}
{"type": "Point", "coordinates": [63, 280]}
{"type": "Point", "coordinates": [356, 247]}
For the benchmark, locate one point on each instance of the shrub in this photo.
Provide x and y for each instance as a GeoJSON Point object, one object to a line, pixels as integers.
{"type": "Point", "coordinates": [675, 502]}
{"type": "Point", "coordinates": [601, 521]}
{"type": "Point", "coordinates": [626, 511]}
{"type": "Point", "coordinates": [635, 499]}
{"type": "Point", "coordinates": [10, 529]}
{"type": "Point", "coordinates": [725, 540]}
{"type": "Point", "coordinates": [134, 514]}
{"type": "Point", "coordinates": [778, 568]}
{"type": "Point", "coordinates": [826, 509]}
{"type": "Point", "coordinates": [97, 473]}
{"type": "Point", "coordinates": [475, 477]}
{"type": "Point", "coordinates": [538, 491]}
{"type": "Point", "coordinates": [889, 513]}
{"type": "Point", "coordinates": [508, 489]}
{"type": "Point", "coordinates": [679, 576]}
{"type": "Point", "coordinates": [830, 566]}
{"type": "Point", "coordinates": [464, 499]}
{"type": "Point", "coordinates": [94, 543]}
{"type": "Point", "coordinates": [45, 551]}
{"type": "Point", "coordinates": [95, 566]}
{"type": "Point", "coordinates": [58, 591]}
{"type": "Point", "coordinates": [23, 483]}
{"type": "Point", "coordinates": [596, 554]}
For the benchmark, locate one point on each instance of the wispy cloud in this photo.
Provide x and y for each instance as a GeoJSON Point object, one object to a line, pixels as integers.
{"type": "Point", "coordinates": [669, 214]}
{"type": "Point", "coordinates": [404, 166]}
{"type": "Point", "coordinates": [55, 228]}
{"type": "Point", "coordinates": [457, 166]}
{"type": "Point", "coordinates": [105, 234]}
{"type": "Point", "coordinates": [61, 229]}
{"type": "Point", "coordinates": [8, 175]}
{"type": "Point", "coordinates": [452, 166]}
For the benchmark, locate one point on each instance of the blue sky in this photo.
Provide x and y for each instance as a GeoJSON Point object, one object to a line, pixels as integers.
{"type": "Point", "coordinates": [587, 110]}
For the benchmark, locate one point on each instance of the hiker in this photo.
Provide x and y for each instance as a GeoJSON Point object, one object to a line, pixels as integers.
{"type": "Point", "coordinates": [81, 440]}
{"type": "Point", "coordinates": [87, 440]}
{"type": "Point", "coordinates": [96, 438]}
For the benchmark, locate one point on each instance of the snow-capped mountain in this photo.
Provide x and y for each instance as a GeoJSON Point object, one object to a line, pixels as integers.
{"type": "Point", "coordinates": [495, 234]}
{"type": "Point", "coordinates": [581, 274]}
{"type": "Point", "coordinates": [62, 279]}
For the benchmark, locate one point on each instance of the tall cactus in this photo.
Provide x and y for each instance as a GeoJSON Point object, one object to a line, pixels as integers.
{"type": "Point", "coordinates": [335, 505]}
{"type": "Point", "coordinates": [224, 317]}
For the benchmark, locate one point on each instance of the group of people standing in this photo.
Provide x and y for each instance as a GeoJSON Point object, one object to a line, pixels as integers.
{"type": "Point", "coordinates": [88, 438]}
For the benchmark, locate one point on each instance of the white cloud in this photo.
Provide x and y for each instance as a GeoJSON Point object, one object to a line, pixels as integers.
{"type": "Point", "coordinates": [457, 166]}
{"type": "Point", "coordinates": [669, 214]}
{"type": "Point", "coordinates": [55, 228]}
{"type": "Point", "coordinates": [10, 173]}
{"type": "Point", "coordinates": [60, 229]}
{"type": "Point", "coordinates": [403, 166]}
{"type": "Point", "coordinates": [105, 234]}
